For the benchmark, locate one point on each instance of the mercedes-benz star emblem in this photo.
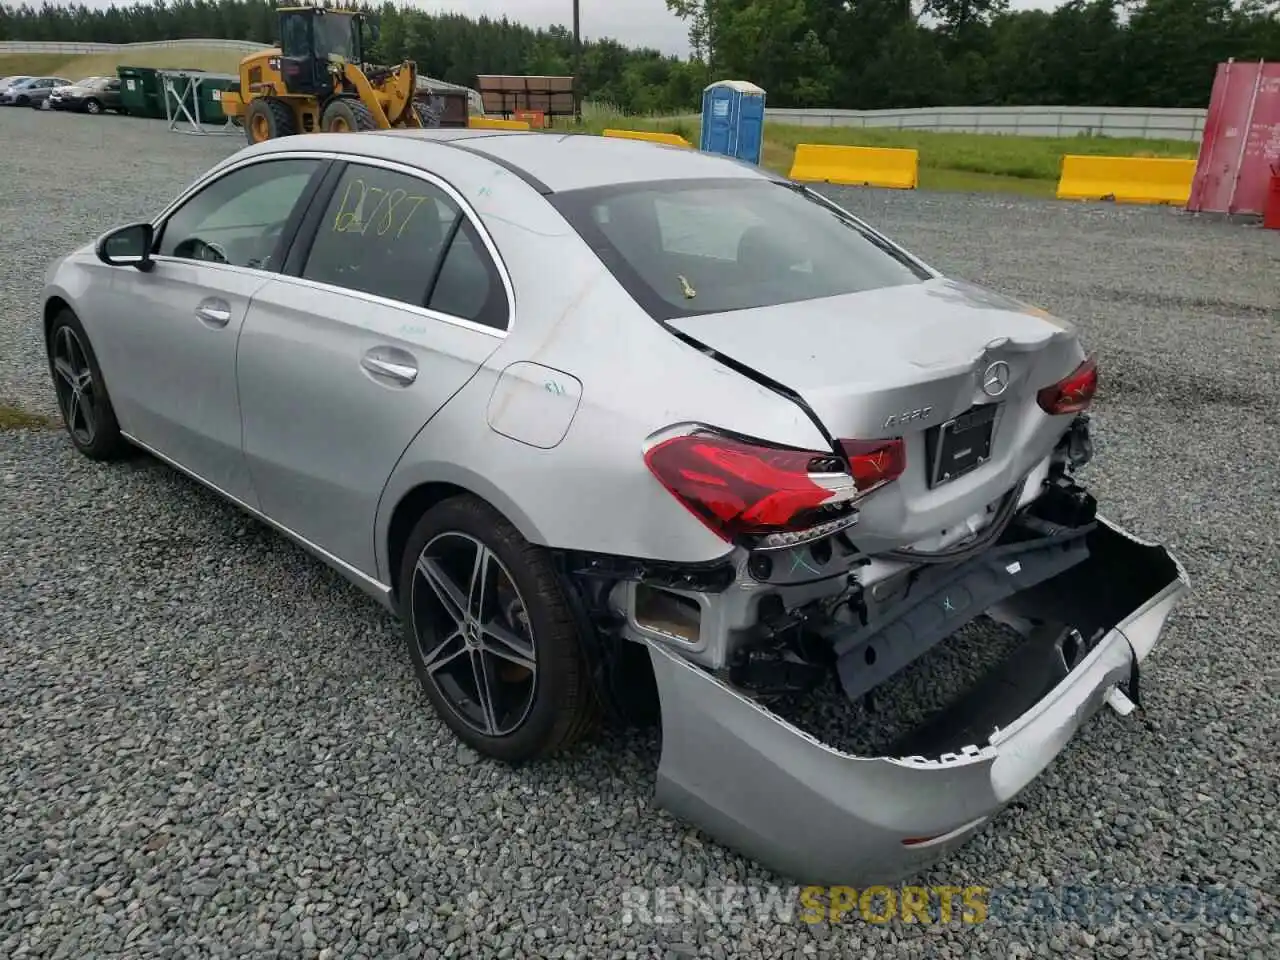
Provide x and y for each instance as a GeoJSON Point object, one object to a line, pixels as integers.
{"type": "Point", "coordinates": [996, 379]}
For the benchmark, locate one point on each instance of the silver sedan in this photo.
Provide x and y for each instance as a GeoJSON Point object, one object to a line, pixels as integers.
{"type": "Point", "coordinates": [612, 427]}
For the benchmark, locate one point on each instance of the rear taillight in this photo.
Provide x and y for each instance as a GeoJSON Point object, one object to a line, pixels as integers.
{"type": "Point", "coordinates": [740, 488]}
{"type": "Point", "coordinates": [1073, 393]}
{"type": "Point", "coordinates": [874, 463]}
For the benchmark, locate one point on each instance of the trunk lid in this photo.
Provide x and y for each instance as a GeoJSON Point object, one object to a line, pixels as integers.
{"type": "Point", "coordinates": [861, 358]}
{"type": "Point", "coordinates": [906, 361]}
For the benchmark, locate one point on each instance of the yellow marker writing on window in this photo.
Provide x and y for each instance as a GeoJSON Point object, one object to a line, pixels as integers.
{"type": "Point", "coordinates": [391, 211]}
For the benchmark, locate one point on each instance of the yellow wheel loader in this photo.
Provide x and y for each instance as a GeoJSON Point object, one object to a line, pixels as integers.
{"type": "Point", "coordinates": [316, 80]}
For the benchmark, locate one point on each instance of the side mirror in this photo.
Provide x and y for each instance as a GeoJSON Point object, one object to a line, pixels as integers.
{"type": "Point", "coordinates": [128, 246]}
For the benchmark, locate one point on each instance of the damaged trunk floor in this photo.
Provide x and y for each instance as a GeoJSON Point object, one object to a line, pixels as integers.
{"type": "Point", "coordinates": [983, 674]}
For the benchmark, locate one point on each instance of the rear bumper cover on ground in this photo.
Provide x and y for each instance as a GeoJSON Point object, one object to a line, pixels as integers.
{"type": "Point", "coordinates": [808, 811]}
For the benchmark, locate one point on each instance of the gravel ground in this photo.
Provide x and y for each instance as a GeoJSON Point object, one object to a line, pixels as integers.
{"type": "Point", "coordinates": [211, 746]}
{"type": "Point", "coordinates": [908, 699]}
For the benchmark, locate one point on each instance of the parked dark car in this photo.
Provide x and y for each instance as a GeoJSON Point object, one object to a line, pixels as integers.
{"type": "Point", "coordinates": [25, 91]}
{"type": "Point", "coordinates": [90, 95]}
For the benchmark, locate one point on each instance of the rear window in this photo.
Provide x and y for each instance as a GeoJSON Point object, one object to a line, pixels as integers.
{"type": "Point", "coordinates": [688, 247]}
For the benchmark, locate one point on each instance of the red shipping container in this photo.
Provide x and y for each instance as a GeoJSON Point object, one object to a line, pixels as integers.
{"type": "Point", "coordinates": [1241, 140]}
{"type": "Point", "coordinates": [1271, 216]}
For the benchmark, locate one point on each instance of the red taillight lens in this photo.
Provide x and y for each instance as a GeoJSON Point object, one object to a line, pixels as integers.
{"type": "Point", "coordinates": [738, 488]}
{"type": "Point", "coordinates": [1073, 393]}
{"type": "Point", "coordinates": [875, 462]}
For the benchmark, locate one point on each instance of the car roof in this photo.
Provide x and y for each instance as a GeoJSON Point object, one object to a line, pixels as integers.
{"type": "Point", "coordinates": [551, 162]}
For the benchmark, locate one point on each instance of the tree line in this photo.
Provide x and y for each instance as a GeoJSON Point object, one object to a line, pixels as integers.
{"type": "Point", "coordinates": [859, 54]}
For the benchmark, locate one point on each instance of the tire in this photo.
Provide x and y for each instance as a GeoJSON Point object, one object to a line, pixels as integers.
{"type": "Point", "coordinates": [267, 118]}
{"type": "Point", "coordinates": [23, 102]}
{"type": "Point", "coordinates": [551, 706]}
{"type": "Point", "coordinates": [92, 106]}
{"type": "Point", "coordinates": [345, 115]}
{"type": "Point", "coordinates": [93, 428]}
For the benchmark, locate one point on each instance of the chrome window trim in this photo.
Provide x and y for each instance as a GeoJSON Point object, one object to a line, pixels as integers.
{"type": "Point", "coordinates": [263, 275]}
{"type": "Point", "coordinates": [395, 166]}
{"type": "Point", "coordinates": [376, 300]}
{"type": "Point", "coordinates": [229, 166]}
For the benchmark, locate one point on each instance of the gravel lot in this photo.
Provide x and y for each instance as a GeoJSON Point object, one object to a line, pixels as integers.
{"type": "Point", "coordinates": [210, 746]}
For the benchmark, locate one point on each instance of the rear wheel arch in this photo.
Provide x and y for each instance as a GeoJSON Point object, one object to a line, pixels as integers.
{"type": "Point", "coordinates": [431, 489]}
{"type": "Point", "coordinates": [629, 686]}
{"type": "Point", "coordinates": [407, 511]}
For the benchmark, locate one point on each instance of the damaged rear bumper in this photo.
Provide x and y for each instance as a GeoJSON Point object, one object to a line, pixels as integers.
{"type": "Point", "coordinates": [763, 786]}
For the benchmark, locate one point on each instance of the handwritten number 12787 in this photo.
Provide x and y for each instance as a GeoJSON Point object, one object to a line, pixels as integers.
{"type": "Point", "coordinates": [391, 212]}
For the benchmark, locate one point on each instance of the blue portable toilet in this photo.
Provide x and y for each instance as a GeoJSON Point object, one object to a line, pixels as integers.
{"type": "Point", "coordinates": [733, 120]}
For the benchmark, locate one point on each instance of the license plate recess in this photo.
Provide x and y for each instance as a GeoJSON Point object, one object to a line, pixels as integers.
{"type": "Point", "coordinates": [962, 444]}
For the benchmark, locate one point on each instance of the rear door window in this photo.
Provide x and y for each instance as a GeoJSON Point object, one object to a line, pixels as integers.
{"type": "Point", "coordinates": [687, 247]}
{"type": "Point", "coordinates": [401, 237]}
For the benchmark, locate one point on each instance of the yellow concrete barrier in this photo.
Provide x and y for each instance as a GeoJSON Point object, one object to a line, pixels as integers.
{"type": "Point", "coordinates": [866, 166]}
{"type": "Point", "coordinates": [671, 139]}
{"type": "Point", "coordinates": [494, 123]}
{"type": "Point", "coordinates": [1126, 179]}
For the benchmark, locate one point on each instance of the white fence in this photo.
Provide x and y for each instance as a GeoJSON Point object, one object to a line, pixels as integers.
{"type": "Point", "coordinates": [35, 46]}
{"type": "Point", "coordinates": [1138, 122]}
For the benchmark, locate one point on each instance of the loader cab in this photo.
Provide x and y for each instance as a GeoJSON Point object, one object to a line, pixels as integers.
{"type": "Point", "coordinates": [309, 37]}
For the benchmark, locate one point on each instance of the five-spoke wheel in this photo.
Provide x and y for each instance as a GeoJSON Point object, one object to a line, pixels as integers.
{"type": "Point", "coordinates": [74, 385]}
{"type": "Point", "coordinates": [474, 635]}
{"type": "Point", "coordinates": [82, 395]}
{"type": "Point", "coordinates": [490, 633]}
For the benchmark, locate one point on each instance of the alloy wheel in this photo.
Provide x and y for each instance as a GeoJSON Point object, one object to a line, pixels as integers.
{"type": "Point", "coordinates": [473, 633]}
{"type": "Point", "coordinates": [73, 382]}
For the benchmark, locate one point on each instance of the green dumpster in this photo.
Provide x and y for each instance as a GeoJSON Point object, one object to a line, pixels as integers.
{"type": "Point", "coordinates": [209, 97]}
{"type": "Point", "coordinates": [142, 90]}
{"type": "Point", "coordinates": [141, 94]}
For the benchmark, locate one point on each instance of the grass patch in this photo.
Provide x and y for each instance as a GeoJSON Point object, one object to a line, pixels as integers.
{"type": "Point", "coordinates": [15, 418]}
{"type": "Point", "coordinates": [963, 181]}
{"type": "Point", "coordinates": [104, 64]}
{"type": "Point", "coordinates": [968, 162]}
{"type": "Point", "coordinates": [32, 64]}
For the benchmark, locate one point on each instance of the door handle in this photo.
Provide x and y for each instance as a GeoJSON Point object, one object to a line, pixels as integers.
{"type": "Point", "coordinates": [214, 311]}
{"type": "Point", "coordinates": [391, 364]}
